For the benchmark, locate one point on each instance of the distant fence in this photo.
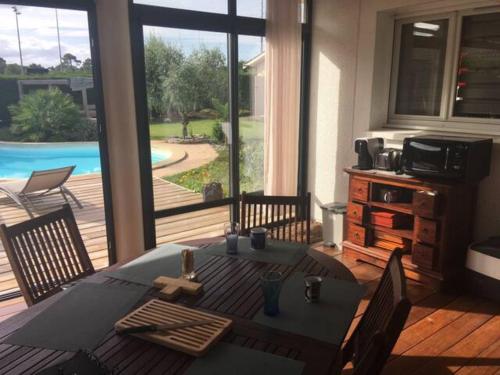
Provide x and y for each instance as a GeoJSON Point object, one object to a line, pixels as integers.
{"type": "Point", "coordinates": [8, 95]}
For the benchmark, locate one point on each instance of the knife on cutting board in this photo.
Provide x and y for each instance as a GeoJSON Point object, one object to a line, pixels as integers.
{"type": "Point", "coordinates": [162, 327]}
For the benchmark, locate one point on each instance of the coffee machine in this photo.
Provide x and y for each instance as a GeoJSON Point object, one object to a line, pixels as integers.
{"type": "Point", "coordinates": [367, 149]}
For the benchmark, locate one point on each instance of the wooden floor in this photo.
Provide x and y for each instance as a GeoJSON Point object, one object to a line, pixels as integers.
{"type": "Point", "coordinates": [90, 219]}
{"type": "Point", "coordinates": [444, 334]}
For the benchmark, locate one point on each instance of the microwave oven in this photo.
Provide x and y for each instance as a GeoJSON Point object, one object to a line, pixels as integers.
{"type": "Point", "coordinates": [460, 158]}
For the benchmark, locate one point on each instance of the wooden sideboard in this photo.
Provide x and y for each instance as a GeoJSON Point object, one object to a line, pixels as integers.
{"type": "Point", "coordinates": [436, 224]}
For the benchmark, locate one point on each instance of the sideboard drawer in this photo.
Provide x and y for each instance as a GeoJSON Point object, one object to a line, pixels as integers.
{"type": "Point", "coordinates": [356, 234]}
{"type": "Point", "coordinates": [359, 190]}
{"type": "Point", "coordinates": [426, 230]}
{"type": "Point", "coordinates": [426, 203]}
{"type": "Point", "coordinates": [356, 212]}
{"type": "Point", "coordinates": [423, 256]}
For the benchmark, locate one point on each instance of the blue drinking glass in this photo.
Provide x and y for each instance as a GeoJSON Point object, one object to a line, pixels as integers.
{"type": "Point", "coordinates": [270, 282]}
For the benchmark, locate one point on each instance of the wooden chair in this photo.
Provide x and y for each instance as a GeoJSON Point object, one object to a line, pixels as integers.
{"type": "Point", "coordinates": [46, 253]}
{"type": "Point", "coordinates": [378, 330]}
{"type": "Point", "coordinates": [288, 218]}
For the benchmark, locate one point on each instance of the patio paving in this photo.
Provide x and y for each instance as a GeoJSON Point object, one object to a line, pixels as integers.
{"type": "Point", "coordinates": [90, 219]}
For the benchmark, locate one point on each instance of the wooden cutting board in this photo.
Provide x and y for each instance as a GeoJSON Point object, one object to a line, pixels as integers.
{"type": "Point", "coordinates": [195, 340]}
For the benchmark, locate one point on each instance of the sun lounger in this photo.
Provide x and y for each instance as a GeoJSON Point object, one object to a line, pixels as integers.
{"type": "Point", "coordinates": [40, 183]}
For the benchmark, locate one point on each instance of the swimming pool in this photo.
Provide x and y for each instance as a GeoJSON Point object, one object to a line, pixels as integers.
{"type": "Point", "coordinates": [18, 160]}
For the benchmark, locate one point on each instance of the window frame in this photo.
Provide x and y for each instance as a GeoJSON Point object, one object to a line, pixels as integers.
{"type": "Point", "coordinates": [451, 17]}
{"type": "Point", "coordinates": [233, 25]}
{"type": "Point", "coordinates": [89, 7]}
{"type": "Point", "coordinates": [446, 120]}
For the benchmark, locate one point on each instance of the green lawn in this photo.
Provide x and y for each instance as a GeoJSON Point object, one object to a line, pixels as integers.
{"type": "Point", "coordinates": [249, 129]}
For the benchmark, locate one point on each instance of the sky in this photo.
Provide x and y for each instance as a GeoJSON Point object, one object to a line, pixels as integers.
{"type": "Point", "coordinates": [38, 31]}
{"type": "Point", "coordinates": [37, 27]}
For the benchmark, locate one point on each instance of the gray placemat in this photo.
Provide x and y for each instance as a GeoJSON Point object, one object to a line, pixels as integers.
{"type": "Point", "coordinates": [276, 252]}
{"type": "Point", "coordinates": [80, 318]}
{"type": "Point", "coordinates": [232, 359]}
{"type": "Point", "coordinates": [327, 320]}
{"type": "Point", "coordinates": [163, 261]}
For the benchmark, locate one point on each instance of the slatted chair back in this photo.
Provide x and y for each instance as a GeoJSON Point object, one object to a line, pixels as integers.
{"type": "Point", "coordinates": [372, 341]}
{"type": "Point", "coordinates": [45, 253]}
{"type": "Point", "coordinates": [288, 218]}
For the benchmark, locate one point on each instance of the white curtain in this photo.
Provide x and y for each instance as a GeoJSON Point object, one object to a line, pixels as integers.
{"type": "Point", "coordinates": [282, 92]}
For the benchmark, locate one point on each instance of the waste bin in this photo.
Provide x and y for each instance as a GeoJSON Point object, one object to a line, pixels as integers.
{"type": "Point", "coordinates": [333, 223]}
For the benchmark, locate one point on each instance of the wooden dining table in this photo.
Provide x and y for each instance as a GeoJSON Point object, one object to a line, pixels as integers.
{"type": "Point", "coordinates": [231, 289]}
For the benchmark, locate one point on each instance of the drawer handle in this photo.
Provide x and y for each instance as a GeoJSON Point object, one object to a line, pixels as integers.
{"type": "Point", "coordinates": [425, 230]}
{"type": "Point", "coordinates": [356, 235]}
{"type": "Point", "coordinates": [355, 213]}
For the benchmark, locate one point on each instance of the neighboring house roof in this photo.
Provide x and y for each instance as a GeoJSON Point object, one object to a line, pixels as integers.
{"type": "Point", "coordinates": [256, 60]}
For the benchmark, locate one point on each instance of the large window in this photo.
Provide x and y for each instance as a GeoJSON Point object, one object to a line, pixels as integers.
{"type": "Point", "coordinates": [50, 112]}
{"type": "Point", "coordinates": [446, 70]}
{"type": "Point", "coordinates": [421, 62]}
{"type": "Point", "coordinates": [202, 76]}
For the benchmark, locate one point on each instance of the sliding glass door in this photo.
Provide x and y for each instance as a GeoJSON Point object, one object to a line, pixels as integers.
{"type": "Point", "coordinates": [51, 118]}
{"type": "Point", "coordinates": [187, 86]}
{"type": "Point", "coordinates": [200, 83]}
{"type": "Point", "coordinates": [195, 104]}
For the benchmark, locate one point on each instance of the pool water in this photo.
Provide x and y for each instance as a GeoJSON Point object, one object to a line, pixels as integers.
{"type": "Point", "coordinates": [19, 160]}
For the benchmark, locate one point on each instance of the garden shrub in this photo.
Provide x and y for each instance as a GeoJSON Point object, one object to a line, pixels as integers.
{"type": "Point", "coordinates": [48, 116]}
{"type": "Point", "coordinates": [251, 165]}
{"type": "Point", "coordinates": [218, 133]}
{"type": "Point", "coordinates": [89, 131]}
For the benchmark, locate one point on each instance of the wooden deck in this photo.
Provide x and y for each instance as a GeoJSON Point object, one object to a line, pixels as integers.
{"type": "Point", "coordinates": [444, 334]}
{"type": "Point", "coordinates": [90, 219]}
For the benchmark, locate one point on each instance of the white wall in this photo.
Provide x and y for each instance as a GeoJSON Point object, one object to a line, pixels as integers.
{"type": "Point", "coordinates": [352, 44]}
{"type": "Point", "coordinates": [333, 74]}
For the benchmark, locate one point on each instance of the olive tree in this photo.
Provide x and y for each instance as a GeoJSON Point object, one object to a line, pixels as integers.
{"type": "Point", "coordinates": [160, 59]}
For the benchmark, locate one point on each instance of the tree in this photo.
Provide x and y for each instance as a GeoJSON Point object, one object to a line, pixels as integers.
{"type": "Point", "coordinates": [200, 81]}
{"type": "Point", "coordinates": [68, 60]}
{"type": "Point", "coordinates": [3, 65]}
{"type": "Point", "coordinates": [47, 116]}
{"type": "Point", "coordinates": [35, 66]}
{"type": "Point", "coordinates": [213, 75]}
{"type": "Point", "coordinates": [160, 60]}
{"type": "Point", "coordinates": [86, 66]}
{"type": "Point", "coordinates": [13, 69]}
{"type": "Point", "coordinates": [181, 92]}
